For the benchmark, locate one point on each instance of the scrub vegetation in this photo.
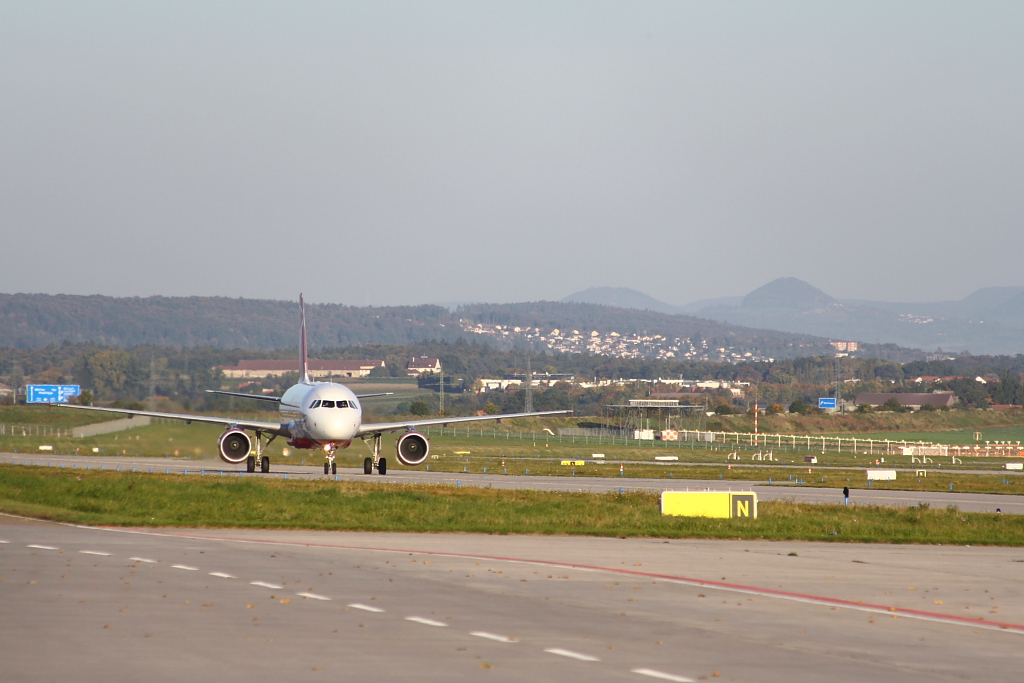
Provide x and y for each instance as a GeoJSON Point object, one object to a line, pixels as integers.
{"type": "Point", "coordinates": [127, 499]}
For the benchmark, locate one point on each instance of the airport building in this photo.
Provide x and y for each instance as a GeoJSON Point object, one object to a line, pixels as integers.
{"type": "Point", "coordinates": [422, 365]}
{"type": "Point", "coordinates": [318, 369]}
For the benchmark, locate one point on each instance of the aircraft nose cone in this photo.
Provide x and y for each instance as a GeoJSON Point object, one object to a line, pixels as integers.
{"type": "Point", "coordinates": [330, 429]}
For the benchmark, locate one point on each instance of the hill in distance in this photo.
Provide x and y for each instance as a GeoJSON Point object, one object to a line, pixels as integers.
{"type": "Point", "coordinates": [624, 297]}
{"type": "Point", "coordinates": [787, 292]}
{"type": "Point", "coordinates": [988, 321]}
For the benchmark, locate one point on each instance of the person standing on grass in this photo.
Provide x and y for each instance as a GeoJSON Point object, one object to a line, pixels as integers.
{"type": "Point", "coordinates": [846, 494]}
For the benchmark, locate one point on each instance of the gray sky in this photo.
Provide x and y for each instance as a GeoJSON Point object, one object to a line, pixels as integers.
{"type": "Point", "coordinates": [413, 152]}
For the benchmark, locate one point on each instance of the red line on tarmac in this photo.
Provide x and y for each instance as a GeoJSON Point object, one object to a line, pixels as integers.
{"type": "Point", "coordinates": [718, 585]}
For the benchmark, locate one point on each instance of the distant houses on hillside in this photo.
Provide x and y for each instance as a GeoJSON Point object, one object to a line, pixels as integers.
{"type": "Point", "coordinates": [845, 346]}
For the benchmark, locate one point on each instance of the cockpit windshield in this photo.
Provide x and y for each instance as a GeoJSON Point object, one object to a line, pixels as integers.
{"type": "Point", "coordinates": [333, 404]}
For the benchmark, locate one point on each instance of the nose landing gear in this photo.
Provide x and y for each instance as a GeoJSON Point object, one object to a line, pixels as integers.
{"type": "Point", "coordinates": [376, 461]}
{"type": "Point", "coordinates": [330, 467]}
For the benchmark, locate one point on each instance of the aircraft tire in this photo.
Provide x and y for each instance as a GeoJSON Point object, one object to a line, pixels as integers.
{"type": "Point", "coordinates": [334, 468]}
{"type": "Point", "coordinates": [382, 466]}
{"type": "Point", "coordinates": [265, 465]}
{"type": "Point", "coordinates": [368, 466]}
{"type": "Point", "coordinates": [327, 468]}
{"type": "Point", "coordinates": [250, 464]}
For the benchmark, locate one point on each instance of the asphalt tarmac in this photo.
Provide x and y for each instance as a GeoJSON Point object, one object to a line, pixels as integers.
{"type": "Point", "coordinates": [802, 493]}
{"type": "Point", "coordinates": [88, 604]}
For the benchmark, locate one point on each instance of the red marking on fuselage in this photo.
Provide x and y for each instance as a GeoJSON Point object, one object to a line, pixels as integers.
{"type": "Point", "coordinates": [310, 443]}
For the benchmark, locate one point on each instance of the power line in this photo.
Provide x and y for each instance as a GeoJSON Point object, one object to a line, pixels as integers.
{"type": "Point", "coordinates": [528, 407]}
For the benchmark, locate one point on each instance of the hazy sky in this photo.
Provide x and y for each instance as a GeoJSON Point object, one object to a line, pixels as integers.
{"type": "Point", "coordinates": [413, 152]}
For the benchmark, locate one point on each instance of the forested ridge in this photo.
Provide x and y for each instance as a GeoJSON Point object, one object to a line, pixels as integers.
{"type": "Point", "coordinates": [41, 320]}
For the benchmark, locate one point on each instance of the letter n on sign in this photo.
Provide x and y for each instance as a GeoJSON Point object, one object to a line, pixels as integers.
{"type": "Point", "coordinates": [744, 505]}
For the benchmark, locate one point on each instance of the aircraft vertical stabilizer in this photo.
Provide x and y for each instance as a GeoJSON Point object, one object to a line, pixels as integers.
{"type": "Point", "coordinates": [303, 351]}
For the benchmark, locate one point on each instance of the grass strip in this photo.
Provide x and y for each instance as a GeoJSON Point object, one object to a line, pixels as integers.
{"type": "Point", "coordinates": [820, 477]}
{"type": "Point", "coordinates": [128, 499]}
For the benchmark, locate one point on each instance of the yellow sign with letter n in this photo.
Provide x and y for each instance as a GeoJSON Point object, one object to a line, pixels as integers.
{"type": "Point", "coordinates": [721, 504]}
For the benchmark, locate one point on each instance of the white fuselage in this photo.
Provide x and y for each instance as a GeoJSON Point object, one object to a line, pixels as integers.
{"type": "Point", "coordinates": [321, 414]}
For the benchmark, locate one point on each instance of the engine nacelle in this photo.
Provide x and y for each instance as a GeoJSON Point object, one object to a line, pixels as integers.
{"type": "Point", "coordinates": [412, 448]}
{"type": "Point", "coordinates": [234, 446]}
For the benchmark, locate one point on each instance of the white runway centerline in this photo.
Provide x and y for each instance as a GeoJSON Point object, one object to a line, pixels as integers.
{"type": "Point", "coordinates": [424, 620]}
{"type": "Point", "coordinates": [366, 608]}
{"type": "Point", "coordinates": [222, 575]}
{"type": "Point", "coordinates": [662, 675]}
{"type": "Point", "coordinates": [492, 636]}
{"type": "Point", "coordinates": [572, 655]}
{"type": "Point", "coordinates": [185, 567]}
{"type": "Point", "coordinates": [94, 552]}
{"type": "Point", "coordinates": [43, 547]}
{"type": "Point", "coordinates": [144, 560]}
{"type": "Point", "coordinates": [265, 585]}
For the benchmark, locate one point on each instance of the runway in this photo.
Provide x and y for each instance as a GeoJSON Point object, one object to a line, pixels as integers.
{"type": "Point", "coordinates": [971, 502]}
{"type": "Point", "coordinates": [171, 605]}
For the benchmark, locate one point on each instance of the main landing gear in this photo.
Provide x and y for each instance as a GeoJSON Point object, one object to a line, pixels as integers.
{"type": "Point", "coordinates": [264, 464]}
{"type": "Point", "coordinates": [376, 461]}
{"type": "Point", "coordinates": [258, 459]}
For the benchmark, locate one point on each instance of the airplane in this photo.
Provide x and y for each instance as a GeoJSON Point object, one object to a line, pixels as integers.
{"type": "Point", "coordinates": [315, 415]}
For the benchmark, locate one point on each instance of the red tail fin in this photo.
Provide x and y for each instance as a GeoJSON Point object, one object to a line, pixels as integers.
{"type": "Point", "coordinates": [303, 349]}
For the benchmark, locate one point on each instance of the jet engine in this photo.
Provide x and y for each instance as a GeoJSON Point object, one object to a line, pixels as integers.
{"type": "Point", "coordinates": [234, 446]}
{"type": "Point", "coordinates": [412, 448]}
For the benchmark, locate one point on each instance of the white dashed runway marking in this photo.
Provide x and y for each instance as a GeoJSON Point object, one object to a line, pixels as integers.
{"type": "Point", "coordinates": [424, 620]}
{"type": "Point", "coordinates": [266, 585]}
{"type": "Point", "coordinates": [144, 560]}
{"type": "Point", "coordinates": [313, 596]}
{"type": "Point", "coordinates": [222, 575]}
{"type": "Point", "coordinates": [492, 636]}
{"type": "Point", "coordinates": [43, 547]}
{"type": "Point", "coordinates": [572, 655]}
{"type": "Point", "coordinates": [367, 608]}
{"type": "Point", "coordinates": [185, 567]}
{"type": "Point", "coordinates": [662, 675]}
{"type": "Point", "coordinates": [94, 552]}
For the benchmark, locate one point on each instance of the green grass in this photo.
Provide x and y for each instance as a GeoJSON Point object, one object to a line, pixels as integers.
{"type": "Point", "coordinates": [933, 480]}
{"type": "Point", "coordinates": [126, 499]}
{"type": "Point", "coordinates": [51, 416]}
{"type": "Point", "coordinates": [958, 437]}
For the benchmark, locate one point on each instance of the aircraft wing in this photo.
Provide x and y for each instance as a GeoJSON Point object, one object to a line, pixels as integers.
{"type": "Point", "coordinates": [410, 424]}
{"type": "Point", "coordinates": [276, 399]}
{"type": "Point", "coordinates": [268, 427]}
{"type": "Point", "coordinates": [386, 393]}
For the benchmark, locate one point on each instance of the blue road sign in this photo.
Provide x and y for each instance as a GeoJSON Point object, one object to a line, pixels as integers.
{"type": "Point", "coordinates": [827, 403]}
{"type": "Point", "coordinates": [51, 393]}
